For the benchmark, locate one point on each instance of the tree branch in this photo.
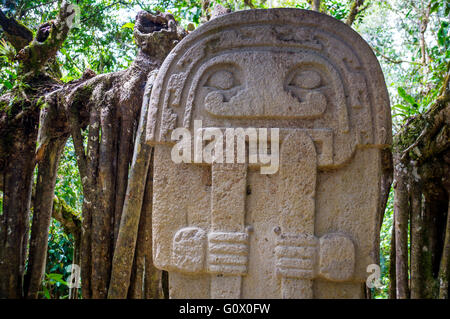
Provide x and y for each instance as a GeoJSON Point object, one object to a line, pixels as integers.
{"type": "Point", "coordinates": [354, 11]}
{"type": "Point", "coordinates": [391, 59]}
{"type": "Point", "coordinates": [424, 20]}
{"type": "Point", "coordinates": [316, 5]}
{"type": "Point", "coordinates": [16, 33]}
{"type": "Point", "coordinates": [49, 39]}
{"type": "Point", "coordinates": [23, 11]}
{"type": "Point", "coordinates": [69, 218]}
{"type": "Point", "coordinates": [249, 3]}
{"type": "Point", "coordinates": [124, 3]}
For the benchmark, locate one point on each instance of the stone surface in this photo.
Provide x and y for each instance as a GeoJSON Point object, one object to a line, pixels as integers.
{"type": "Point", "coordinates": [309, 230]}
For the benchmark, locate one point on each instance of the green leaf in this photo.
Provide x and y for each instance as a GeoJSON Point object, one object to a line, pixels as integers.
{"type": "Point", "coordinates": [8, 85]}
{"type": "Point", "coordinates": [401, 107]}
{"type": "Point", "coordinates": [435, 7]}
{"type": "Point", "coordinates": [442, 33]}
{"type": "Point", "coordinates": [46, 293]}
{"type": "Point", "coordinates": [129, 25]}
{"type": "Point", "coordinates": [408, 98]}
{"type": "Point", "coordinates": [54, 276]}
{"type": "Point", "coordinates": [400, 114]}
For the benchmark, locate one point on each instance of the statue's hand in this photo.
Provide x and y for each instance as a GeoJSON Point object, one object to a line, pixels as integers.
{"type": "Point", "coordinates": [227, 253]}
{"type": "Point", "coordinates": [296, 256]}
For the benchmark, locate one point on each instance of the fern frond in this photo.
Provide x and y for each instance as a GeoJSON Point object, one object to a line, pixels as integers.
{"type": "Point", "coordinates": [7, 51]}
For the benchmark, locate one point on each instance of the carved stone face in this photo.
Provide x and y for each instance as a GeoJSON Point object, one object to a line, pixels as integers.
{"type": "Point", "coordinates": [274, 88]}
{"type": "Point", "coordinates": [266, 75]}
{"type": "Point", "coordinates": [256, 84]}
{"type": "Point", "coordinates": [224, 230]}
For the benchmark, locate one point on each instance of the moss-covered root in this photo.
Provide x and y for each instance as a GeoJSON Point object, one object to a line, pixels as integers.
{"type": "Point", "coordinates": [69, 218]}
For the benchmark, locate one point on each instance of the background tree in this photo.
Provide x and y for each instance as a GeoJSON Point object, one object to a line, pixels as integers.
{"type": "Point", "coordinates": [68, 128]}
{"type": "Point", "coordinates": [107, 108]}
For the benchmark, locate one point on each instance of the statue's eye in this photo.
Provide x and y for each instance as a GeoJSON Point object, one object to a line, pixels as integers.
{"type": "Point", "coordinates": [303, 81]}
{"type": "Point", "coordinates": [306, 80]}
{"type": "Point", "coordinates": [221, 80]}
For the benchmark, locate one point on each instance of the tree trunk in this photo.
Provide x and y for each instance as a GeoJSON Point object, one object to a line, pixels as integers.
{"type": "Point", "coordinates": [422, 165]}
{"type": "Point", "coordinates": [128, 232]}
{"type": "Point", "coordinates": [401, 216]}
{"type": "Point", "coordinates": [18, 177]}
{"type": "Point", "coordinates": [153, 276]}
{"type": "Point", "coordinates": [444, 269]}
{"type": "Point", "coordinates": [392, 262]}
{"type": "Point", "coordinates": [417, 242]}
{"type": "Point", "coordinates": [42, 213]}
{"type": "Point", "coordinates": [19, 119]}
{"type": "Point", "coordinates": [316, 5]}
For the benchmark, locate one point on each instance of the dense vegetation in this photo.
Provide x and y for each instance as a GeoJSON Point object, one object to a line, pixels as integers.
{"type": "Point", "coordinates": [411, 39]}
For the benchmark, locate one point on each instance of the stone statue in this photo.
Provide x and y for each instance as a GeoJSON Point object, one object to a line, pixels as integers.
{"type": "Point", "coordinates": [307, 230]}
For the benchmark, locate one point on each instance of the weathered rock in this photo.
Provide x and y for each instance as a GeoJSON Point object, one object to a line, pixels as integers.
{"type": "Point", "coordinates": [310, 229]}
